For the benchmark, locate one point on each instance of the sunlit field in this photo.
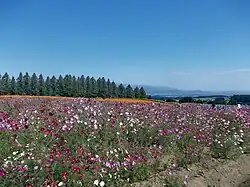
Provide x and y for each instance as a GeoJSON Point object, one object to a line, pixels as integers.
{"type": "Point", "coordinates": [87, 142]}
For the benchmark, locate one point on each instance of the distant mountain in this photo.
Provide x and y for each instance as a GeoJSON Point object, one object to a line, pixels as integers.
{"type": "Point", "coordinates": [166, 91]}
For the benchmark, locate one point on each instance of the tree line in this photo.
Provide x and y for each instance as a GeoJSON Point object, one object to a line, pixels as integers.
{"type": "Point", "coordinates": [67, 86]}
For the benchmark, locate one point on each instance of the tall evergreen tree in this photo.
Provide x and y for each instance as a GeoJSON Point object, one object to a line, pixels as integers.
{"type": "Point", "coordinates": [48, 86]}
{"type": "Point", "coordinates": [34, 85]}
{"type": "Point", "coordinates": [27, 84]}
{"type": "Point", "coordinates": [20, 84]}
{"type": "Point", "coordinates": [61, 90]}
{"type": "Point", "coordinates": [13, 89]}
{"type": "Point", "coordinates": [68, 85]}
{"type": "Point", "coordinates": [53, 83]}
{"type": "Point", "coordinates": [82, 86]}
{"type": "Point", "coordinates": [6, 83]}
{"type": "Point", "coordinates": [79, 91]}
{"type": "Point", "coordinates": [113, 90]}
{"type": "Point", "coordinates": [42, 88]}
{"type": "Point", "coordinates": [94, 90]}
{"type": "Point", "coordinates": [74, 87]}
{"type": "Point", "coordinates": [143, 94]}
{"type": "Point", "coordinates": [104, 88]}
{"type": "Point", "coordinates": [108, 88]}
{"type": "Point", "coordinates": [121, 91]}
{"type": "Point", "coordinates": [137, 92]}
{"type": "Point", "coordinates": [129, 92]}
{"type": "Point", "coordinates": [88, 87]}
{"type": "Point", "coordinates": [99, 85]}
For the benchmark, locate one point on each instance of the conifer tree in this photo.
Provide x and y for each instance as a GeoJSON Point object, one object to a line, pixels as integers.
{"type": "Point", "coordinates": [61, 90]}
{"type": "Point", "coordinates": [48, 86]}
{"type": "Point", "coordinates": [13, 89]}
{"type": "Point", "coordinates": [137, 92]}
{"type": "Point", "coordinates": [42, 88]}
{"type": "Point", "coordinates": [34, 85]}
{"type": "Point", "coordinates": [20, 84]}
{"type": "Point", "coordinates": [129, 92]}
{"type": "Point", "coordinates": [53, 83]}
{"type": "Point", "coordinates": [143, 94]}
{"type": "Point", "coordinates": [121, 91]}
{"type": "Point", "coordinates": [6, 83]}
{"type": "Point", "coordinates": [27, 84]}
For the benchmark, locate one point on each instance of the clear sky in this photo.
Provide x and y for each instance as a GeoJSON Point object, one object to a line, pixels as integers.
{"type": "Point", "coordinates": [189, 44]}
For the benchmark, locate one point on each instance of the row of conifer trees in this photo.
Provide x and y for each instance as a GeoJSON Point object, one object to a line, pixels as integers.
{"type": "Point", "coordinates": [68, 85]}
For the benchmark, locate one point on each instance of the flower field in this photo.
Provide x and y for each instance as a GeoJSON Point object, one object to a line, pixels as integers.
{"type": "Point", "coordinates": [82, 142]}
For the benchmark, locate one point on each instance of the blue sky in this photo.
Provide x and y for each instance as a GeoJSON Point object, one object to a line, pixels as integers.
{"type": "Point", "coordinates": [185, 44]}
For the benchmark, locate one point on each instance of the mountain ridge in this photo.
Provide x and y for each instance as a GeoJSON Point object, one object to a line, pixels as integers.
{"type": "Point", "coordinates": [167, 91]}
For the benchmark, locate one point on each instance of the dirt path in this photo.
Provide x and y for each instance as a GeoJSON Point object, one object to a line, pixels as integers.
{"type": "Point", "coordinates": [228, 174]}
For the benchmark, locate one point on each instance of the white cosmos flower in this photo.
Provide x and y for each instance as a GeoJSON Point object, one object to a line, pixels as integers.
{"type": "Point", "coordinates": [60, 184]}
{"type": "Point", "coordinates": [96, 182]}
{"type": "Point", "coordinates": [102, 183]}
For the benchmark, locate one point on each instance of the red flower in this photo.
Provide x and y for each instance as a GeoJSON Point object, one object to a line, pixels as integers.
{"type": "Point", "coordinates": [42, 129]}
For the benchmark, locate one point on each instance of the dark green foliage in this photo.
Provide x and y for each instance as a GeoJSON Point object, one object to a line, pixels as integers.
{"type": "Point", "coordinates": [137, 92]}
{"type": "Point", "coordinates": [13, 90]}
{"type": "Point", "coordinates": [53, 84]}
{"type": "Point", "coordinates": [68, 86]}
{"type": "Point", "coordinates": [27, 84]}
{"type": "Point", "coordinates": [94, 87]}
{"type": "Point", "coordinates": [6, 84]}
{"type": "Point", "coordinates": [240, 99]}
{"type": "Point", "coordinates": [143, 94]}
{"type": "Point", "coordinates": [88, 86]}
{"type": "Point", "coordinates": [129, 92]}
{"type": "Point", "coordinates": [74, 87]}
{"type": "Point", "coordinates": [60, 90]}
{"type": "Point", "coordinates": [108, 89]}
{"type": "Point", "coordinates": [34, 85]}
{"type": "Point", "coordinates": [48, 86]}
{"type": "Point", "coordinates": [121, 91]}
{"type": "Point", "coordinates": [186, 100]}
{"type": "Point", "coordinates": [19, 84]}
{"type": "Point", "coordinates": [113, 90]}
{"type": "Point", "coordinates": [82, 85]}
{"type": "Point", "coordinates": [41, 87]}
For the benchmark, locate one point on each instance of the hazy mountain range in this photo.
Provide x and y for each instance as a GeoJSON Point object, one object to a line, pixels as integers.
{"type": "Point", "coordinates": [174, 92]}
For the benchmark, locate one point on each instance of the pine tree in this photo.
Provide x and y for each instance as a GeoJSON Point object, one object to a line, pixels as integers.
{"type": "Point", "coordinates": [94, 90]}
{"type": "Point", "coordinates": [98, 82]}
{"type": "Point", "coordinates": [6, 83]}
{"type": "Point", "coordinates": [20, 84]}
{"type": "Point", "coordinates": [129, 92]}
{"type": "Point", "coordinates": [42, 88]}
{"type": "Point", "coordinates": [113, 90]}
{"type": "Point", "coordinates": [60, 86]}
{"type": "Point", "coordinates": [13, 86]}
{"type": "Point", "coordinates": [88, 86]}
{"type": "Point", "coordinates": [74, 87]}
{"type": "Point", "coordinates": [68, 85]}
{"type": "Point", "coordinates": [53, 83]}
{"type": "Point", "coordinates": [108, 88]}
{"type": "Point", "coordinates": [48, 86]}
{"type": "Point", "coordinates": [34, 85]}
{"type": "Point", "coordinates": [137, 92]}
{"type": "Point", "coordinates": [27, 84]}
{"type": "Point", "coordinates": [121, 91]}
{"type": "Point", "coordinates": [143, 94]}
{"type": "Point", "coordinates": [78, 83]}
{"type": "Point", "coordinates": [82, 86]}
{"type": "Point", "coordinates": [104, 88]}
